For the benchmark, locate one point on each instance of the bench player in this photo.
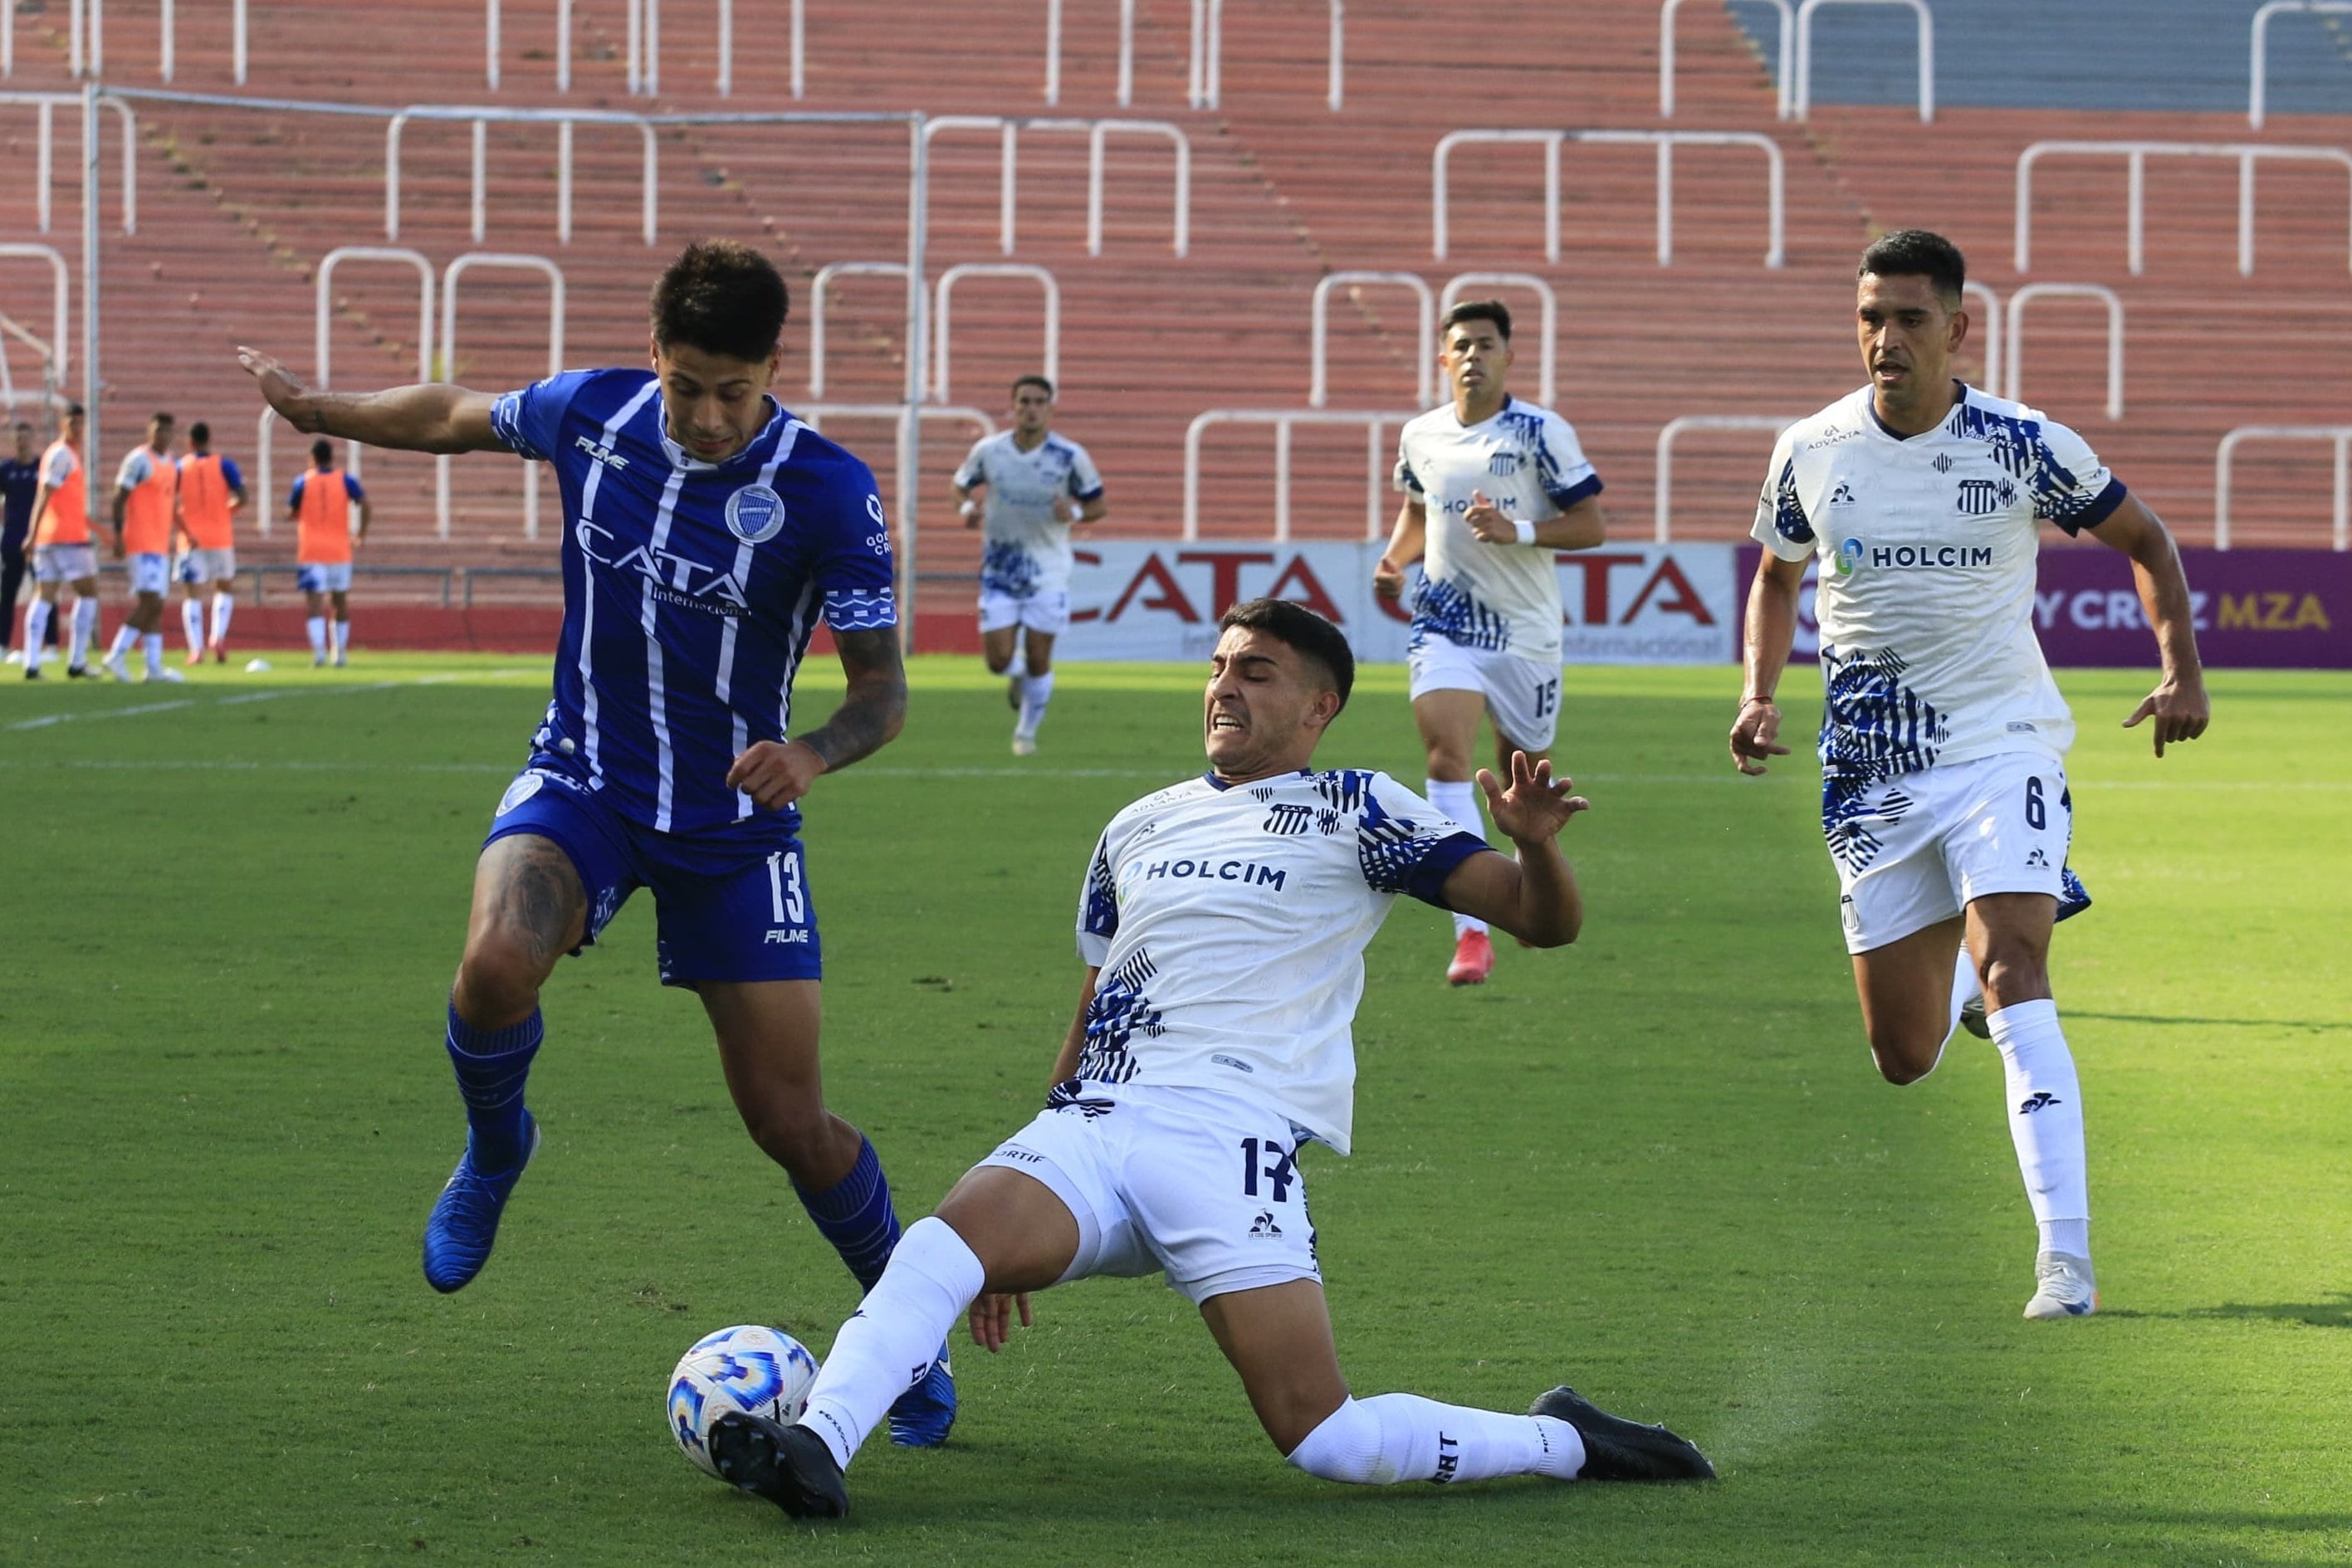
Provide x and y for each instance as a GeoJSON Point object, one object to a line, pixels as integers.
{"type": "Point", "coordinates": [63, 556]}
{"type": "Point", "coordinates": [146, 513]}
{"type": "Point", "coordinates": [1944, 795]}
{"type": "Point", "coordinates": [322, 506]}
{"type": "Point", "coordinates": [211, 492]}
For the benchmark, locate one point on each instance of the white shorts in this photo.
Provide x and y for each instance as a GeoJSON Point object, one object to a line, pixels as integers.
{"type": "Point", "coordinates": [1918, 848]}
{"type": "Point", "coordinates": [150, 572]}
{"type": "Point", "coordinates": [1198, 1183]}
{"type": "Point", "coordinates": [1047, 612]}
{"type": "Point", "coordinates": [200, 566]}
{"type": "Point", "coordinates": [1522, 696]}
{"type": "Point", "coordinates": [332, 577]}
{"type": "Point", "coordinates": [64, 563]}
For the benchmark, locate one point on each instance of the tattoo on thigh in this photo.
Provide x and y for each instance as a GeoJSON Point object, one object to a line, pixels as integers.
{"type": "Point", "coordinates": [542, 900]}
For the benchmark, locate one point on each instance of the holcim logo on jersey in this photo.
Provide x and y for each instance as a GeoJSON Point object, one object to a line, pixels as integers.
{"type": "Point", "coordinates": [1848, 555]}
{"type": "Point", "coordinates": [676, 576]}
{"type": "Point", "coordinates": [1852, 555]}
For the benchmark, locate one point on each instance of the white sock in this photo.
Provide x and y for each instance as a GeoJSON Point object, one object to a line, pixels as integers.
{"type": "Point", "coordinates": [342, 638]}
{"type": "Point", "coordinates": [36, 632]}
{"type": "Point", "coordinates": [1394, 1438]}
{"type": "Point", "coordinates": [1459, 801]}
{"type": "Point", "coordinates": [316, 626]}
{"type": "Point", "coordinates": [1019, 668]}
{"type": "Point", "coordinates": [124, 635]}
{"type": "Point", "coordinates": [1966, 988]}
{"type": "Point", "coordinates": [83, 627]}
{"type": "Point", "coordinates": [1036, 691]}
{"type": "Point", "coordinates": [223, 606]}
{"type": "Point", "coordinates": [151, 644]}
{"type": "Point", "coordinates": [889, 1344]}
{"type": "Point", "coordinates": [2045, 1123]}
{"type": "Point", "coordinates": [191, 622]}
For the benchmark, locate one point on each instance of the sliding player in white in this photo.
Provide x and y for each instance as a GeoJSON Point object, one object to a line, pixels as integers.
{"type": "Point", "coordinates": [1037, 486]}
{"type": "Point", "coordinates": [1222, 922]}
{"type": "Point", "coordinates": [1492, 487]}
{"type": "Point", "coordinates": [1944, 792]}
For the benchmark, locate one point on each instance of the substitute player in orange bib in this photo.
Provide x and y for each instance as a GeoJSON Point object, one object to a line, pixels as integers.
{"type": "Point", "coordinates": [211, 491]}
{"type": "Point", "coordinates": [322, 506]}
{"type": "Point", "coordinates": [61, 549]}
{"type": "Point", "coordinates": [146, 514]}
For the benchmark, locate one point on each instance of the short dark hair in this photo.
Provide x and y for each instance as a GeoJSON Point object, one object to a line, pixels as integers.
{"type": "Point", "coordinates": [200, 433]}
{"type": "Point", "coordinates": [1916, 253]}
{"type": "Point", "coordinates": [1033, 380]}
{"type": "Point", "coordinates": [24, 425]}
{"type": "Point", "coordinates": [323, 452]}
{"type": "Point", "coordinates": [1300, 628]}
{"type": "Point", "coordinates": [162, 416]}
{"type": "Point", "coordinates": [1493, 311]}
{"type": "Point", "coordinates": [722, 297]}
{"type": "Point", "coordinates": [74, 411]}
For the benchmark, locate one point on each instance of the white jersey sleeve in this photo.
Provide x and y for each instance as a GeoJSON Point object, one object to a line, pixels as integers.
{"type": "Point", "coordinates": [60, 465]}
{"type": "Point", "coordinates": [974, 468]}
{"type": "Point", "coordinates": [137, 467]}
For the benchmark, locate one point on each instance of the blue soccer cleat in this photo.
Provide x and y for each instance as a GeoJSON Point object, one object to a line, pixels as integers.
{"type": "Point", "coordinates": [923, 1414]}
{"type": "Point", "coordinates": [464, 1223]}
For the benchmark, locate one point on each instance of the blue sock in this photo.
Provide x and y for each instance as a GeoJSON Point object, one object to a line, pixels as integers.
{"type": "Point", "coordinates": [491, 1065]}
{"type": "Point", "coordinates": [855, 1216]}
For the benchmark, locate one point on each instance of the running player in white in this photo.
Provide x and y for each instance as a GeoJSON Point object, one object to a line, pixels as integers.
{"type": "Point", "coordinates": [1222, 922]}
{"type": "Point", "coordinates": [1492, 487]}
{"type": "Point", "coordinates": [1944, 792]}
{"type": "Point", "coordinates": [1037, 485]}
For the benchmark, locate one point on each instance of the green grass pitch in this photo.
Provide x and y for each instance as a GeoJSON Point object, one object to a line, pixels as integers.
{"type": "Point", "coordinates": [1657, 1164]}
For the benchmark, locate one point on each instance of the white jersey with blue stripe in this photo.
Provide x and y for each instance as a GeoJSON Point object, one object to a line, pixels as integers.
{"type": "Point", "coordinates": [690, 589]}
{"type": "Point", "coordinates": [1526, 461]}
{"type": "Point", "coordinates": [1026, 534]}
{"type": "Point", "coordinates": [1927, 546]}
{"type": "Point", "coordinates": [1228, 924]}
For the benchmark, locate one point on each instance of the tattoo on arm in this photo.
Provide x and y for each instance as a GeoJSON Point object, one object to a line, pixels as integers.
{"type": "Point", "coordinates": [876, 706]}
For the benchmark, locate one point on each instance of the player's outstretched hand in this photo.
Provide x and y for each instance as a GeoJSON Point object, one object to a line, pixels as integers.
{"type": "Point", "coordinates": [289, 397]}
{"type": "Point", "coordinates": [992, 1318]}
{"type": "Point", "coordinates": [1486, 522]}
{"type": "Point", "coordinates": [775, 773]}
{"type": "Point", "coordinates": [2179, 709]}
{"type": "Point", "coordinates": [1537, 806]}
{"type": "Point", "coordinates": [1753, 735]}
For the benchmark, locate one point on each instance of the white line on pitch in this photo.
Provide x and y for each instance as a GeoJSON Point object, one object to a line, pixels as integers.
{"type": "Point", "coordinates": [270, 696]}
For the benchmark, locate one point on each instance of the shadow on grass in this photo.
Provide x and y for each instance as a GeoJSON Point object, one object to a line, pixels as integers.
{"type": "Point", "coordinates": [2334, 1024]}
{"type": "Point", "coordinates": [2334, 1314]}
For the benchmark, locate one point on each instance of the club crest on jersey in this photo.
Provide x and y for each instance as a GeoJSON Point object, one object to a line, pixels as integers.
{"type": "Point", "coordinates": [1503, 463]}
{"type": "Point", "coordinates": [755, 513]}
{"type": "Point", "coordinates": [1983, 497]}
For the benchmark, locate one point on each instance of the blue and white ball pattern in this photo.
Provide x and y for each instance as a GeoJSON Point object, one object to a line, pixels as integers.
{"type": "Point", "coordinates": [749, 1367]}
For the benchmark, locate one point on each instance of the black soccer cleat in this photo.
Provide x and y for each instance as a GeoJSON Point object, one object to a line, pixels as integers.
{"type": "Point", "coordinates": [1616, 1449]}
{"type": "Point", "coordinates": [789, 1466]}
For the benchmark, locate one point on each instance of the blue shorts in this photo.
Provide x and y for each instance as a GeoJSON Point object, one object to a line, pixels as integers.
{"type": "Point", "coordinates": [727, 908]}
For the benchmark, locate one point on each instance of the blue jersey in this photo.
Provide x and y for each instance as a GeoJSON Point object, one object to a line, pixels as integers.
{"type": "Point", "coordinates": [19, 483]}
{"type": "Point", "coordinates": [690, 591]}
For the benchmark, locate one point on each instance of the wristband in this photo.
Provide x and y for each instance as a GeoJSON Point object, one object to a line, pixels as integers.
{"type": "Point", "coordinates": [1527, 530]}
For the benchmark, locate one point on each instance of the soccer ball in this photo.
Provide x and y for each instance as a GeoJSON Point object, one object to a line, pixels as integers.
{"type": "Point", "coordinates": [749, 1367]}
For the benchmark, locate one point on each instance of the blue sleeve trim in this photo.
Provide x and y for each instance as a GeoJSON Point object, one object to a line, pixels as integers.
{"type": "Point", "coordinates": [294, 496]}
{"type": "Point", "coordinates": [1093, 494]}
{"type": "Point", "coordinates": [234, 476]}
{"type": "Point", "coordinates": [1427, 881]}
{"type": "Point", "coordinates": [1564, 500]}
{"type": "Point", "coordinates": [2101, 509]}
{"type": "Point", "coordinates": [352, 487]}
{"type": "Point", "coordinates": [860, 610]}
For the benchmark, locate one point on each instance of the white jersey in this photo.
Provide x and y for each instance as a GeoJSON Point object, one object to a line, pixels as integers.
{"type": "Point", "coordinates": [1229, 925]}
{"type": "Point", "coordinates": [1027, 536]}
{"type": "Point", "coordinates": [1926, 602]}
{"type": "Point", "coordinates": [1526, 460]}
{"type": "Point", "coordinates": [137, 467]}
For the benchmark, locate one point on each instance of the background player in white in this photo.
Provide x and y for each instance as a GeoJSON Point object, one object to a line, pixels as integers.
{"type": "Point", "coordinates": [1037, 485]}
{"type": "Point", "coordinates": [146, 512]}
{"type": "Point", "coordinates": [1492, 486]}
{"type": "Point", "coordinates": [1944, 794]}
{"type": "Point", "coordinates": [1222, 922]}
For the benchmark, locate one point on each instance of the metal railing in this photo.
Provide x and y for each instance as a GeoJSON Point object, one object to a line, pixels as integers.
{"type": "Point", "coordinates": [54, 351]}
{"type": "Point", "coordinates": [481, 119]}
{"type": "Point", "coordinates": [1662, 527]}
{"type": "Point", "coordinates": [86, 31]}
{"type": "Point", "coordinates": [2099, 292]}
{"type": "Point", "coordinates": [2339, 435]}
{"type": "Point", "coordinates": [944, 325]}
{"type": "Point", "coordinates": [2137, 153]}
{"type": "Point", "coordinates": [818, 287]}
{"type": "Point", "coordinates": [1318, 331]}
{"type": "Point", "coordinates": [323, 337]}
{"type": "Point", "coordinates": [1992, 332]}
{"type": "Point", "coordinates": [2258, 72]}
{"type": "Point", "coordinates": [1098, 131]}
{"type": "Point", "coordinates": [1782, 79]}
{"type": "Point", "coordinates": [1209, 49]}
{"type": "Point", "coordinates": [507, 262]}
{"type": "Point", "coordinates": [1666, 141]}
{"type": "Point", "coordinates": [469, 575]}
{"type": "Point", "coordinates": [44, 148]}
{"type": "Point", "coordinates": [1374, 424]}
{"type": "Point", "coordinates": [52, 376]}
{"type": "Point", "coordinates": [1803, 98]}
{"type": "Point", "coordinates": [1126, 52]}
{"type": "Point", "coordinates": [1462, 282]}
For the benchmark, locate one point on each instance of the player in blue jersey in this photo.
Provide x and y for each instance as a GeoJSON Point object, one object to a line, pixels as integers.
{"type": "Point", "coordinates": [705, 532]}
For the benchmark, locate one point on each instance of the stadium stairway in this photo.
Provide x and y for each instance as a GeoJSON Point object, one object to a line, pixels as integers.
{"type": "Point", "coordinates": [238, 205]}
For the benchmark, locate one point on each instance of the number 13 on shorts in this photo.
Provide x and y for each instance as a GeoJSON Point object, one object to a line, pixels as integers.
{"type": "Point", "coordinates": [786, 901]}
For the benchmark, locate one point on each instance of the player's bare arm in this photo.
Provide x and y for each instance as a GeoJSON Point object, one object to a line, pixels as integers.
{"type": "Point", "coordinates": [431, 416]}
{"type": "Point", "coordinates": [1534, 897]}
{"type": "Point", "coordinates": [121, 498]}
{"type": "Point", "coordinates": [1764, 652]}
{"type": "Point", "coordinates": [967, 502]}
{"type": "Point", "coordinates": [2179, 703]}
{"type": "Point", "coordinates": [775, 774]}
{"type": "Point", "coordinates": [1581, 526]}
{"type": "Point", "coordinates": [1407, 540]}
{"type": "Point", "coordinates": [1065, 1061]}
